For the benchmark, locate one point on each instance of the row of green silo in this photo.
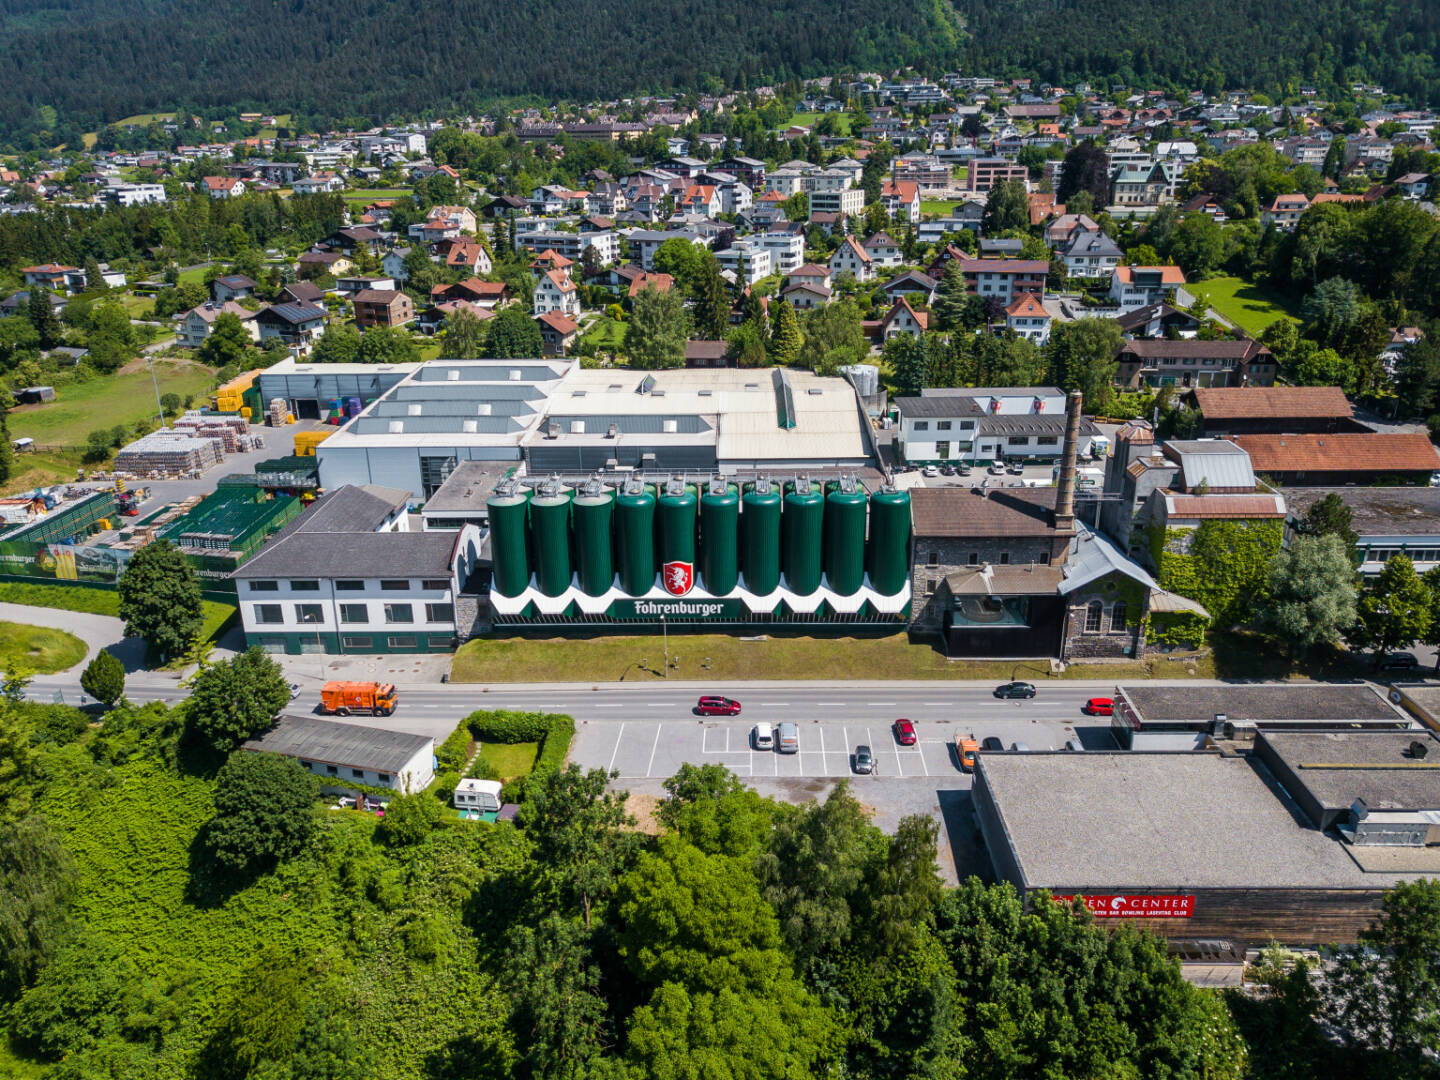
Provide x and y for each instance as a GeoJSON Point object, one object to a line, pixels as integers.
{"type": "Point", "coordinates": [801, 530]}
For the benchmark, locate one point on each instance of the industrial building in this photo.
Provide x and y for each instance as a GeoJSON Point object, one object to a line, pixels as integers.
{"type": "Point", "coordinates": [1194, 846]}
{"type": "Point", "coordinates": [558, 418]}
{"type": "Point", "coordinates": [349, 754]}
{"type": "Point", "coordinates": [1150, 717]}
{"type": "Point", "coordinates": [986, 424]}
{"type": "Point", "coordinates": [308, 390]}
{"type": "Point", "coordinates": [1387, 521]}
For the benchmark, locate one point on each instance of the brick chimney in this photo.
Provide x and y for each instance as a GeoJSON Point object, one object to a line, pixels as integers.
{"type": "Point", "coordinates": [1065, 498]}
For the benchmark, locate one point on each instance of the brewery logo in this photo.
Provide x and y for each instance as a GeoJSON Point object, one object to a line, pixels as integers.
{"type": "Point", "coordinates": [677, 577]}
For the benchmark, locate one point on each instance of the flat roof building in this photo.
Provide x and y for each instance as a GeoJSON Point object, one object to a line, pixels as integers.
{"type": "Point", "coordinates": [349, 754]}
{"type": "Point", "coordinates": [1387, 521]}
{"type": "Point", "coordinates": [1326, 771]}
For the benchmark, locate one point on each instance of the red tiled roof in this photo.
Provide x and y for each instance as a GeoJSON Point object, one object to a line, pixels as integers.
{"type": "Point", "coordinates": [1170, 275]}
{"type": "Point", "coordinates": [1224, 506]}
{"type": "Point", "coordinates": [557, 322]}
{"type": "Point", "coordinates": [1026, 304]}
{"type": "Point", "coordinates": [1377, 452]}
{"type": "Point", "coordinates": [1252, 402]}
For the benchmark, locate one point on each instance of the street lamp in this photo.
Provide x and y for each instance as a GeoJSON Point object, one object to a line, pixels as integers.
{"type": "Point", "coordinates": [665, 641]}
{"type": "Point", "coordinates": [150, 363]}
{"type": "Point", "coordinates": [318, 620]}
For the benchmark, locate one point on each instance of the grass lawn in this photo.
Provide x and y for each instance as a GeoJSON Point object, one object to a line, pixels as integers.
{"type": "Point", "coordinates": [809, 119]}
{"type": "Point", "coordinates": [727, 658]}
{"type": "Point", "coordinates": [103, 402]}
{"type": "Point", "coordinates": [39, 469]}
{"type": "Point", "coordinates": [430, 348]}
{"type": "Point", "coordinates": [42, 649]}
{"type": "Point", "coordinates": [93, 601]}
{"type": "Point", "coordinates": [606, 333]}
{"type": "Point", "coordinates": [1250, 307]}
{"type": "Point", "coordinates": [511, 760]}
{"type": "Point", "coordinates": [362, 196]}
{"type": "Point", "coordinates": [138, 307]}
{"type": "Point", "coordinates": [936, 208]}
{"type": "Point", "coordinates": [193, 276]}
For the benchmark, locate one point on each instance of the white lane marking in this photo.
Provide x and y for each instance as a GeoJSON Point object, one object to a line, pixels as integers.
{"type": "Point", "coordinates": [900, 769]}
{"type": "Point", "coordinates": [824, 764]}
{"type": "Point", "coordinates": [934, 703]}
{"type": "Point", "coordinates": [921, 755]}
{"type": "Point", "coordinates": [618, 736]}
{"type": "Point", "coordinates": [655, 746]}
{"type": "Point", "coordinates": [609, 706]}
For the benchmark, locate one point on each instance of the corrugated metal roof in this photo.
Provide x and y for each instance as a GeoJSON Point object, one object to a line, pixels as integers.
{"type": "Point", "coordinates": [333, 743]}
{"type": "Point", "coordinates": [1092, 556]}
{"type": "Point", "coordinates": [1217, 464]}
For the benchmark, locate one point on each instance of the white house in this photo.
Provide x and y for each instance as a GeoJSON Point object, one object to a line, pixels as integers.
{"type": "Point", "coordinates": [319, 184]}
{"type": "Point", "coordinates": [224, 187]}
{"type": "Point", "coordinates": [883, 251]}
{"type": "Point", "coordinates": [344, 754]}
{"type": "Point", "coordinates": [747, 259]}
{"type": "Point", "coordinates": [196, 324]}
{"type": "Point", "coordinates": [394, 264]}
{"type": "Point", "coordinates": [850, 258]}
{"type": "Point", "coordinates": [787, 250]}
{"type": "Point", "coordinates": [556, 292]}
{"type": "Point", "coordinates": [985, 424]}
{"type": "Point", "coordinates": [1141, 286]}
{"type": "Point", "coordinates": [1027, 317]}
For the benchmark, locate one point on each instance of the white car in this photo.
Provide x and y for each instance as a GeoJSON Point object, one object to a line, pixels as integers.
{"type": "Point", "coordinates": [930, 470]}
{"type": "Point", "coordinates": [763, 737]}
{"type": "Point", "coordinates": [996, 470]}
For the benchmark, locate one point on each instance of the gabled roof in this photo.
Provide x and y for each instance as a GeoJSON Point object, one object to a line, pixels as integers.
{"type": "Point", "coordinates": [1169, 275]}
{"type": "Point", "coordinates": [558, 322]}
{"type": "Point", "coordinates": [1253, 402]}
{"type": "Point", "coordinates": [1092, 556]}
{"type": "Point", "coordinates": [1228, 507]}
{"type": "Point", "coordinates": [334, 743]}
{"type": "Point", "coordinates": [1372, 452]}
{"type": "Point", "coordinates": [854, 245]}
{"type": "Point", "coordinates": [922, 318]}
{"type": "Point", "coordinates": [810, 270]}
{"type": "Point", "coordinates": [559, 280]}
{"type": "Point", "coordinates": [969, 512]}
{"type": "Point", "coordinates": [293, 313]}
{"type": "Point", "coordinates": [377, 296]}
{"type": "Point", "coordinates": [923, 282]}
{"type": "Point", "coordinates": [1027, 305]}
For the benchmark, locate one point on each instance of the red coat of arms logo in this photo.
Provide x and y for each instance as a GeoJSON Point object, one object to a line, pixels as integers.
{"type": "Point", "coordinates": [677, 577]}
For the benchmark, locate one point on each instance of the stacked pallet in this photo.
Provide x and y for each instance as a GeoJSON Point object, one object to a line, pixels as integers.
{"type": "Point", "coordinates": [168, 453]}
{"type": "Point", "coordinates": [233, 431]}
{"type": "Point", "coordinates": [278, 412]}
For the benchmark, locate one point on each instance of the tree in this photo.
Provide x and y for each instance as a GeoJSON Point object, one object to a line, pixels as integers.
{"type": "Point", "coordinates": [1395, 610]}
{"type": "Point", "coordinates": [1330, 516]}
{"type": "Point", "coordinates": [1383, 993]}
{"type": "Point", "coordinates": [1085, 170]}
{"type": "Point", "coordinates": [557, 1010]}
{"type": "Point", "coordinates": [580, 832]}
{"type": "Point", "coordinates": [464, 335]}
{"type": "Point", "coordinates": [227, 343]}
{"type": "Point", "coordinates": [712, 300]}
{"type": "Point", "coordinates": [655, 338]}
{"type": "Point", "coordinates": [387, 345]}
{"type": "Point", "coordinates": [1006, 207]}
{"type": "Point", "coordinates": [338, 345]}
{"type": "Point", "coordinates": [906, 356]}
{"type": "Point", "coordinates": [714, 811]}
{"type": "Point", "coordinates": [683, 261]}
{"type": "Point", "coordinates": [834, 337]}
{"type": "Point", "coordinates": [42, 317]}
{"type": "Point", "coordinates": [748, 345]}
{"type": "Point", "coordinates": [264, 813]}
{"type": "Point", "coordinates": [421, 274]}
{"type": "Point", "coordinates": [785, 336]}
{"type": "Point", "coordinates": [1082, 357]}
{"type": "Point", "coordinates": [104, 678]}
{"type": "Point", "coordinates": [236, 699]}
{"type": "Point", "coordinates": [951, 298]}
{"type": "Point", "coordinates": [1312, 593]}
{"type": "Point", "coordinates": [37, 883]}
{"type": "Point", "coordinates": [512, 333]}
{"type": "Point", "coordinates": [409, 819]}
{"type": "Point", "coordinates": [160, 598]}
{"type": "Point", "coordinates": [1198, 245]}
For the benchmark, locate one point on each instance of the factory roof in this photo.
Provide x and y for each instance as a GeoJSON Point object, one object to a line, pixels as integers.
{"type": "Point", "coordinates": [964, 512]}
{"type": "Point", "coordinates": [1348, 453]}
{"type": "Point", "coordinates": [1376, 511]}
{"type": "Point", "coordinates": [1092, 556]}
{"type": "Point", "coordinates": [1213, 462]}
{"type": "Point", "coordinates": [1132, 820]}
{"type": "Point", "coordinates": [1335, 703]}
{"type": "Point", "coordinates": [334, 743]}
{"type": "Point", "coordinates": [467, 487]}
{"type": "Point", "coordinates": [1337, 767]}
{"type": "Point", "coordinates": [1271, 402]}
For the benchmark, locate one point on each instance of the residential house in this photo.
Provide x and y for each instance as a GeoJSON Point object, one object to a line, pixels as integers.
{"type": "Point", "coordinates": [1002, 280]}
{"type": "Point", "coordinates": [298, 326]}
{"type": "Point", "coordinates": [469, 256]}
{"type": "Point", "coordinates": [232, 287]}
{"type": "Point", "coordinates": [303, 292]}
{"type": "Point", "coordinates": [749, 170]}
{"type": "Point", "coordinates": [645, 242]}
{"type": "Point", "coordinates": [1139, 185]}
{"type": "Point", "coordinates": [1413, 185]}
{"type": "Point", "coordinates": [982, 174]}
{"type": "Point", "coordinates": [850, 258]}
{"type": "Point", "coordinates": [985, 423]}
{"type": "Point", "coordinates": [554, 291]}
{"type": "Point", "coordinates": [223, 187]}
{"type": "Point", "coordinates": [803, 296]}
{"type": "Point", "coordinates": [351, 284]}
{"type": "Point", "coordinates": [913, 284]}
{"type": "Point", "coordinates": [1140, 286]}
{"type": "Point", "coordinates": [55, 277]}
{"type": "Point", "coordinates": [315, 263]}
{"type": "Point", "coordinates": [786, 247]}
{"type": "Point", "coordinates": [1066, 227]}
{"type": "Point", "coordinates": [1026, 317]}
{"type": "Point", "coordinates": [748, 260]}
{"type": "Point", "coordinates": [460, 216]}
{"type": "Point", "coordinates": [320, 184]}
{"type": "Point", "coordinates": [661, 283]}
{"type": "Point", "coordinates": [1284, 212]}
{"type": "Point", "coordinates": [1090, 255]}
{"type": "Point", "coordinates": [558, 332]}
{"type": "Point", "coordinates": [883, 251]}
{"type": "Point", "coordinates": [901, 319]}
{"type": "Point", "coordinates": [382, 307]}
{"type": "Point", "coordinates": [195, 325]}
{"type": "Point", "coordinates": [351, 757]}
{"type": "Point", "coordinates": [901, 199]}
{"type": "Point", "coordinates": [843, 202]}
{"type": "Point", "coordinates": [1158, 320]}
{"type": "Point", "coordinates": [394, 264]}
{"type": "Point", "coordinates": [433, 318]}
{"type": "Point", "coordinates": [701, 199]}
{"type": "Point", "coordinates": [708, 354]}
{"type": "Point", "coordinates": [1191, 362]}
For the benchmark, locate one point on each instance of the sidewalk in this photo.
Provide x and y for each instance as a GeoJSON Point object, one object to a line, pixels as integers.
{"type": "Point", "coordinates": [97, 631]}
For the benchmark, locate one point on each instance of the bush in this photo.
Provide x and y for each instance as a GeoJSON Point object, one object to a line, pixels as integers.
{"type": "Point", "coordinates": [265, 812]}
{"type": "Point", "coordinates": [504, 726]}
{"type": "Point", "coordinates": [556, 744]}
{"type": "Point", "coordinates": [443, 786]}
{"type": "Point", "coordinates": [455, 750]}
{"type": "Point", "coordinates": [482, 769]}
{"type": "Point", "coordinates": [408, 819]}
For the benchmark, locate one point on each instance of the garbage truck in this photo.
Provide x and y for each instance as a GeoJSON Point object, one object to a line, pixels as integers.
{"type": "Point", "coordinates": [344, 698]}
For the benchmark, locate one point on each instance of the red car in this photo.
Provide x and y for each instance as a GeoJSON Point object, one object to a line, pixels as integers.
{"type": "Point", "coordinates": [715, 705]}
{"type": "Point", "coordinates": [1099, 706]}
{"type": "Point", "coordinates": [905, 733]}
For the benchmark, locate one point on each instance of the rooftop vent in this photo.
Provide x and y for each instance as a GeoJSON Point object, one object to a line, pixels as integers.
{"type": "Point", "coordinates": [814, 391]}
{"type": "Point", "coordinates": [752, 386]}
{"type": "Point", "coordinates": [552, 430]}
{"type": "Point", "coordinates": [657, 393]}
{"type": "Point", "coordinates": [613, 431]}
{"type": "Point", "coordinates": [577, 393]}
{"type": "Point", "coordinates": [577, 427]}
{"type": "Point", "coordinates": [483, 409]}
{"type": "Point", "coordinates": [516, 374]}
{"type": "Point", "coordinates": [413, 408]}
{"type": "Point", "coordinates": [397, 427]}
{"type": "Point", "coordinates": [707, 393]}
{"type": "Point", "coordinates": [669, 426]}
{"type": "Point", "coordinates": [452, 375]}
{"type": "Point", "coordinates": [470, 426]}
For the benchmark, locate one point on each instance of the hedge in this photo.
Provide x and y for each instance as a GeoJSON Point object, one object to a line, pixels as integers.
{"type": "Point", "coordinates": [553, 731]}
{"type": "Point", "coordinates": [455, 750]}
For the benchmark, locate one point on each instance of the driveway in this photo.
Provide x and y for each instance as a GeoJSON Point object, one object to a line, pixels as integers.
{"type": "Point", "coordinates": [97, 631]}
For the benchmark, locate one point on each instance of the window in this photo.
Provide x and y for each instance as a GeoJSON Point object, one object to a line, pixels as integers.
{"type": "Point", "coordinates": [1094, 612]}
{"type": "Point", "coordinates": [942, 449]}
{"type": "Point", "coordinates": [359, 774]}
{"type": "Point", "coordinates": [1019, 440]}
{"type": "Point", "coordinates": [435, 584]}
{"type": "Point", "coordinates": [922, 425]}
{"type": "Point", "coordinates": [305, 586]}
{"type": "Point", "coordinates": [930, 584]}
{"type": "Point", "coordinates": [332, 770]}
{"type": "Point", "coordinates": [1046, 440]}
{"type": "Point", "coordinates": [354, 613]}
{"type": "Point", "coordinates": [402, 642]}
{"type": "Point", "coordinates": [967, 425]}
{"type": "Point", "coordinates": [932, 558]}
{"type": "Point", "coordinates": [1004, 558]}
{"type": "Point", "coordinates": [1043, 558]}
{"type": "Point", "coordinates": [304, 764]}
{"type": "Point", "coordinates": [972, 559]}
{"type": "Point", "coordinates": [264, 586]}
{"type": "Point", "coordinates": [310, 613]}
{"type": "Point", "coordinates": [399, 613]}
{"type": "Point", "coordinates": [269, 613]}
{"type": "Point", "coordinates": [1118, 611]}
{"type": "Point", "coordinates": [383, 777]}
{"type": "Point", "coordinates": [439, 612]}
{"type": "Point", "coordinates": [349, 585]}
{"type": "Point", "coordinates": [942, 425]}
{"type": "Point", "coordinates": [395, 585]}
{"type": "Point", "coordinates": [360, 643]}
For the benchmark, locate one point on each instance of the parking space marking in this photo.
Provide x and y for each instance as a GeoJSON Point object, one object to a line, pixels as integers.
{"type": "Point", "coordinates": [618, 736]}
{"type": "Point", "coordinates": [654, 746]}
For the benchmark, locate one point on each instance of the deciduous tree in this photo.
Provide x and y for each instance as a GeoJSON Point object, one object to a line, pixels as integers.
{"type": "Point", "coordinates": [655, 338]}
{"type": "Point", "coordinates": [160, 598]}
{"type": "Point", "coordinates": [236, 699]}
{"type": "Point", "coordinates": [1312, 593]}
{"type": "Point", "coordinates": [264, 813]}
{"type": "Point", "coordinates": [1394, 612]}
{"type": "Point", "coordinates": [37, 883]}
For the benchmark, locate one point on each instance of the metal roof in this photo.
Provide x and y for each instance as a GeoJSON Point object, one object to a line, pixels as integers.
{"type": "Point", "coordinates": [334, 743]}
{"type": "Point", "coordinates": [1215, 463]}
{"type": "Point", "coordinates": [1092, 556]}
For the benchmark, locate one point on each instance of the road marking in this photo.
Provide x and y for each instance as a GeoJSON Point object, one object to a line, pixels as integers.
{"type": "Point", "coordinates": [934, 703]}
{"type": "Point", "coordinates": [618, 736]}
{"type": "Point", "coordinates": [655, 746]}
{"type": "Point", "coordinates": [609, 706]}
{"type": "Point", "coordinates": [898, 767]}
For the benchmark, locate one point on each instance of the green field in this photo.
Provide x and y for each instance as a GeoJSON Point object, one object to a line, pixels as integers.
{"type": "Point", "coordinates": [809, 119]}
{"type": "Point", "coordinates": [511, 760]}
{"type": "Point", "coordinates": [1250, 307]}
{"type": "Point", "coordinates": [606, 333]}
{"type": "Point", "coordinates": [361, 196]}
{"type": "Point", "coordinates": [103, 402]}
{"type": "Point", "coordinates": [193, 276]}
{"type": "Point", "coordinates": [93, 601]}
{"type": "Point", "coordinates": [42, 649]}
{"type": "Point", "coordinates": [934, 208]}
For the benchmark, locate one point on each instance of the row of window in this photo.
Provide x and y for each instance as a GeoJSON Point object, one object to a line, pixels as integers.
{"type": "Point", "coordinates": [973, 558]}
{"type": "Point", "coordinates": [352, 614]}
{"type": "Point", "coordinates": [943, 425]}
{"type": "Point", "coordinates": [1095, 617]}
{"type": "Point", "coordinates": [358, 774]}
{"type": "Point", "coordinates": [1414, 554]}
{"type": "Point", "coordinates": [350, 585]}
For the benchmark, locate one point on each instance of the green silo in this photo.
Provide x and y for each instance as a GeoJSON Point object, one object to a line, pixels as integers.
{"type": "Point", "coordinates": [760, 526]}
{"type": "Point", "coordinates": [509, 510]}
{"type": "Point", "coordinates": [888, 553]}
{"type": "Point", "coordinates": [675, 523]}
{"type": "Point", "coordinates": [550, 531]}
{"type": "Point", "coordinates": [635, 539]}
{"type": "Point", "coordinates": [593, 512]}
{"type": "Point", "coordinates": [845, 537]}
{"type": "Point", "coordinates": [802, 526]}
{"type": "Point", "coordinates": [719, 538]}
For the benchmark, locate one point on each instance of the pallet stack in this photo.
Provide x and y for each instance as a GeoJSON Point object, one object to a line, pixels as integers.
{"type": "Point", "coordinates": [278, 412]}
{"type": "Point", "coordinates": [167, 453]}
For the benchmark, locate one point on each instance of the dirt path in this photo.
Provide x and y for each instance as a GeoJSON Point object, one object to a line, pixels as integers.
{"type": "Point", "coordinates": [138, 364]}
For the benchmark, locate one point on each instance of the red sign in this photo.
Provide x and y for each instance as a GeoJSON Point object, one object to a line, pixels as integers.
{"type": "Point", "coordinates": [1172, 906]}
{"type": "Point", "coordinates": [677, 577]}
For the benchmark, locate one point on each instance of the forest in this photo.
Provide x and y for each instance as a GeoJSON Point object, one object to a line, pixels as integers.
{"type": "Point", "coordinates": [173, 907]}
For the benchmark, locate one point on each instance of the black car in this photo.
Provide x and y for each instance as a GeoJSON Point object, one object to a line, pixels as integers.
{"type": "Point", "coordinates": [864, 760]}
{"type": "Point", "coordinates": [991, 743]}
{"type": "Point", "coordinates": [1400, 661]}
{"type": "Point", "coordinates": [1015, 690]}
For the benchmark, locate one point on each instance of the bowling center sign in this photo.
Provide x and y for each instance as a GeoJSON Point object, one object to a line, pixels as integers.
{"type": "Point", "coordinates": [1164, 906]}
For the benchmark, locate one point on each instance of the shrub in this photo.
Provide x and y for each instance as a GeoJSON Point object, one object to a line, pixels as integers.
{"type": "Point", "coordinates": [443, 785]}
{"type": "Point", "coordinates": [504, 726]}
{"type": "Point", "coordinates": [408, 819]}
{"type": "Point", "coordinates": [455, 750]}
{"type": "Point", "coordinates": [556, 744]}
{"type": "Point", "coordinates": [482, 769]}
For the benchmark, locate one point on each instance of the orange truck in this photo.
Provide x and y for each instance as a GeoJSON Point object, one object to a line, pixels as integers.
{"type": "Point", "coordinates": [344, 698]}
{"type": "Point", "coordinates": [965, 750]}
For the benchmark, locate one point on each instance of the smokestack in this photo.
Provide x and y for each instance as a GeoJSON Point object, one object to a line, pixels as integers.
{"type": "Point", "coordinates": [1065, 500]}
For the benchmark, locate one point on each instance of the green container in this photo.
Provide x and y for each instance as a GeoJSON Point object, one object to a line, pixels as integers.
{"type": "Point", "coordinates": [509, 520]}
{"type": "Point", "coordinates": [635, 540]}
{"type": "Point", "coordinates": [888, 553]}
{"type": "Point", "coordinates": [844, 540]}
{"type": "Point", "coordinates": [760, 544]}
{"type": "Point", "coordinates": [675, 526]}
{"type": "Point", "coordinates": [719, 540]}
{"type": "Point", "coordinates": [594, 556]}
{"type": "Point", "coordinates": [550, 533]}
{"type": "Point", "coordinates": [802, 526]}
